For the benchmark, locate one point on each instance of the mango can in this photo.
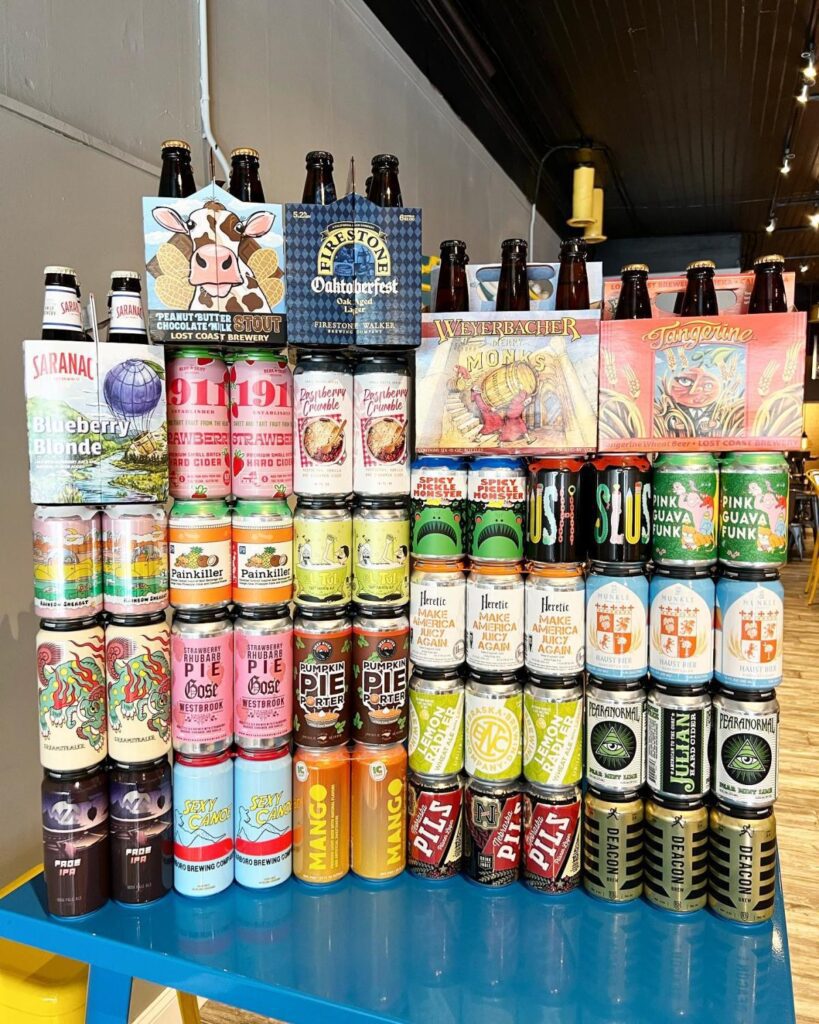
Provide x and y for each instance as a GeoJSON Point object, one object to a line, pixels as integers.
{"type": "Point", "coordinates": [379, 811]}
{"type": "Point", "coordinates": [321, 814]}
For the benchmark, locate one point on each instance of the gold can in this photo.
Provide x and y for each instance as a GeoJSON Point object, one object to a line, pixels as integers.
{"type": "Point", "coordinates": [675, 865]}
{"type": "Point", "coordinates": [321, 814]}
{"type": "Point", "coordinates": [742, 863]}
{"type": "Point", "coordinates": [379, 811]}
{"type": "Point", "coordinates": [613, 846]}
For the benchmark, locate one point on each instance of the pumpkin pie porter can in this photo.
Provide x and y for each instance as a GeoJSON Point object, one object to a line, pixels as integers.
{"type": "Point", "coordinates": [322, 677]}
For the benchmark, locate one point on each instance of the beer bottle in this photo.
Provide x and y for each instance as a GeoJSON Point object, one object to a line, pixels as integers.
{"type": "Point", "coordinates": [245, 183]}
{"type": "Point", "coordinates": [634, 303]}
{"type": "Point", "coordinates": [573, 280]}
{"type": "Point", "coordinates": [176, 180]}
{"type": "Point", "coordinates": [384, 189]}
{"type": "Point", "coordinates": [513, 284]}
{"type": "Point", "coordinates": [62, 309]}
{"type": "Point", "coordinates": [452, 295]}
{"type": "Point", "coordinates": [678, 301]}
{"type": "Point", "coordinates": [768, 293]}
{"type": "Point", "coordinates": [700, 297]}
{"type": "Point", "coordinates": [127, 319]}
{"type": "Point", "coordinates": [319, 187]}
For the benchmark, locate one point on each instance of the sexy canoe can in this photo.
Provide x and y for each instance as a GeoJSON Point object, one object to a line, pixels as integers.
{"type": "Point", "coordinates": [678, 736]}
{"type": "Point", "coordinates": [621, 532]}
{"type": "Point", "coordinates": [135, 559]}
{"type": "Point", "coordinates": [203, 824]}
{"type": "Point", "coordinates": [551, 837]}
{"type": "Point", "coordinates": [141, 825]}
{"type": "Point", "coordinates": [67, 562]}
{"type": "Point", "coordinates": [263, 822]}
{"type": "Point", "coordinates": [613, 846]}
{"type": "Point", "coordinates": [437, 614]}
{"type": "Point", "coordinates": [496, 509]}
{"type": "Point", "coordinates": [322, 425]}
{"type": "Point", "coordinates": [380, 676]}
{"type": "Point", "coordinates": [675, 866]}
{"type": "Point", "coordinates": [322, 677]}
{"type": "Point", "coordinates": [202, 682]}
{"type": "Point", "coordinates": [381, 552]}
{"type": "Point", "coordinates": [685, 489]}
{"type": "Point", "coordinates": [493, 831]}
{"type": "Point", "coordinates": [322, 546]}
{"type": "Point", "coordinates": [438, 492]}
{"type": "Point", "coordinates": [494, 618]}
{"type": "Point", "coordinates": [681, 626]}
{"type": "Point", "coordinates": [742, 863]}
{"type": "Point", "coordinates": [753, 531]}
{"type": "Point", "coordinates": [615, 735]}
{"type": "Point", "coordinates": [436, 722]}
{"type": "Point", "coordinates": [378, 811]}
{"type": "Point", "coordinates": [434, 824]}
{"type": "Point", "coordinates": [492, 727]}
{"type": "Point", "coordinates": [553, 731]}
{"type": "Point", "coordinates": [553, 533]}
{"type": "Point", "coordinates": [617, 621]}
{"type": "Point", "coordinates": [749, 629]}
{"type": "Point", "coordinates": [262, 553]}
{"type": "Point", "coordinates": [263, 678]}
{"type": "Point", "coordinates": [554, 620]}
{"type": "Point", "coordinates": [380, 424]}
{"type": "Point", "coordinates": [746, 747]}
{"type": "Point", "coordinates": [199, 563]}
{"type": "Point", "coordinates": [321, 814]}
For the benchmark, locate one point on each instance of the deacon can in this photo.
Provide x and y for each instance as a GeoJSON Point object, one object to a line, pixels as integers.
{"type": "Point", "coordinates": [263, 793]}
{"type": "Point", "coordinates": [202, 682]}
{"type": "Point", "coordinates": [321, 814]}
{"type": "Point", "coordinates": [496, 510]}
{"type": "Point", "coordinates": [135, 559]}
{"type": "Point", "coordinates": [681, 626]}
{"type": "Point", "coordinates": [322, 425]}
{"type": "Point", "coordinates": [141, 827]}
{"type": "Point", "coordinates": [323, 669]}
{"type": "Point", "coordinates": [552, 512]}
{"type": "Point", "coordinates": [436, 722]}
{"type": "Point", "coordinates": [678, 734]}
{"type": "Point", "coordinates": [612, 846]}
{"type": "Point", "coordinates": [493, 832]}
{"type": "Point", "coordinates": [753, 510]}
{"type": "Point", "coordinates": [262, 678]}
{"type": "Point", "coordinates": [615, 735]}
{"type": "Point", "coordinates": [437, 614]}
{"type": "Point", "coordinates": [380, 423]}
{"type": "Point", "coordinates": [378, 818]}
{"type": "Point", "coordinates": [551, 837]}
{"type": "Point", "coordinates": [742, 863]}
{"type": "Point", "coordinates": [685, 487]}
{"type": "Point", "coordinates": [492, 727]}
{"type": "Point", "coordinates": [438, 507]}
{"type": "Point", "coordinates": [434, 824]}
{"type": "Point", "coordinates": [322, 542]}
{"type": "Point", "coordinates": [381, 552]}
{"type": "Point", "coordinates": [675, 868]}
{"type": "Point", "coordinates": [494, 618]}
{"type": "Point", "coordinates": [199, 563]}
{"type": "Point", "coordinates": [622, 500]}
{"type": "Point", "coordinates": [381, 676]}
{"type": "Point", "coordinates": [262, 553]}
{"type": "Point", "coordinates": [617, 622]}
{"type": "Point", "coordinates": [553, 731]}
{"type": "Point", "coordinates": [203, 824]}
{"type": "Point", "coordinates": [746, 747]}
{"type": "Point", "coordinates": [554, 620]}
{"type": "Point", "coordinates": [67, 562]}
{"type": "Point", "coordinates": [749, 624]}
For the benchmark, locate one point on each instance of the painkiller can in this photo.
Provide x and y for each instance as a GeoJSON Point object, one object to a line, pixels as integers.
{"type": "Point", "coordinates": [262, 553]}
{"type": "Point", "coordinates": [742, 863]}
{"type": "Point", "coordinates": [554, 620]}
{"type": "Point", "coordinates": [621, 532]}
{"type": "Point", "coordinates": [263, 823]}
{"type": "Point", "coordinates": [199, 563]}
{"type": "Point", "coordinates": [678, 736]}
{"type": "Point", "coordinates": [380, 676]}
{"type": "Point", "coordinates": [141, 827]}
{"type": "Point", "coordinates": [615, 735]}
{"type": "Point", "coordinates": [434, 825]}
{"type": "Point", "coordinates": [493, 832]}
{"type": "Point", "coordinates": [135, 559]}
{"type": "Point", "coordinates": [203, 824]}
{"type": "Point", "coordinates": [321, 814]}
{"type": "Point", "coordinates": [617, 622]}
{"type": "Point", "coordinates": [685, 488]}
{"type": "Point", "coordinates": [551, 837]}
{"type": "Point", "coordinates": [436, 722]}
{"type": "Point", "coordinates": [746, 747]}
{"type": "Point", "coordinates": [66, 543]}
{"type": "Point", "coordinates": [753, 529]}
{"type": "Point", "coordinates": [437, 614]}
{"type": "Point", "coordinates": [492, 727]}
{"type": "Point", "coordinates": [681, 626]}
{"type": "Point", "coordinates": [378, 816]}
{"type": "Point", "coordinates": [380, 424]}
{"type": "Point", "coordinates": [381, 552]}
{"type": "Point", "coordinates": [749, 629]}
{"type": "Point", "coordinates": [438, 508]}
{"type": "Point", "coordinates": [262, 678]}
{"type": "Point", "coordinates": [322, 677]}
{"type": "Point", "coordinates": [612, 846]}
{"type": "Point", "coordinates": [322, 544]}
{"type": "Point", "coordinates": [494, 618]}
{"type": "Point", "coordinates": [496, 510]}
{"type": "Point", "coordinates": [553, 529]}
{"type": "Point", "coordinates": [675, 853]}
{"type": "Point", "coordinates": [322, 425]}
{"type": "Point", "coordinates": [202, 682]}
{"type": "Point", "coordinates": [553, 731]}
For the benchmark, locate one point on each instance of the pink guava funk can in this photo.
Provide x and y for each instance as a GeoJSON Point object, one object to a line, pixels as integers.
{"type": "Point", "coordinates": [198, 425]}
{"type": "Point", "coordinates": [261, 425]}
{"type": "Point", "coordinates": [202, 682]}
{"type": "Point", "coordinates": [67, 562]}
{"type": "Point", "coordinates": [263, 678]}
{"type": "Point", "coordinates": [135, 559]}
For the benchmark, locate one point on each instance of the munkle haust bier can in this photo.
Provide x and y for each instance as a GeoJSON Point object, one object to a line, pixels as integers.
{"type": "Point", "coordinates": [613, 846]}
{"type": "Point", "coordinates": [742, 863]}
{"type": "Point", "coordinates": [749, 627]}
{"type": "Point", "coordinates": [621, 533]}
{"type": "Point", "coordinates": [675, 864]}
{"type": "Point", "coordinates": [617, 621]}
{"type": "Point", "coordinates": [746, 747]}
{"type": "Point", "coordinates": [753, 530]}
{"type": "Point", "coordinates": [615, 735]}
{"type": "Point", "coordinates": [681, 626]}
{"type": "Point", "coordinates": [678, 731]}
{"type": "Point", "coordinates": [685, 489]}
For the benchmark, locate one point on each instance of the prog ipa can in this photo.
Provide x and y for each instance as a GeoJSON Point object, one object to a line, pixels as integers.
{"type": "Point", "coordinates": [615, 735]}
{"type": "Point", "coordinates": [322, 546]}
{"type": "Point", "coordinates": [746, 747]}
{"type": "Point", "coordinates": [496, 510]}
{"type": "Point", "coordinates": [749, 629]}
{"type": "Point", "coordinates": [681, 626]}
{"type": "Point", "coordinates": [381, 552]}
{"type": "Point", "coordinates": [67, 562]}
{"type": "Point", "coordinates": [494, 618]}
{"type": "Point", "coordinates": [438, 508]}
{"type": "Point", "coordinates": [493, 832]}
{"type": "Point", "coordinates": [742, 863]}
{"type": "Point", "coordinates": [617, 622]}
{"type": "Point", "coordinates": [551, 837]}
{"type": "Point", "coordinates": [321, 814]}
{"type": "Point", "coordinates": [553, 731]}
{"type": "Point", "coordinates": [322, 425]}
{"type": "Point", "coordinates": [621, 533]}
{"type": "Point", "coordinates": [322, 677]}
{"type": "Point", "coordinates": [198, 425]}
{"type": "Point", "coordinates": [141, 827]}
{"type": "Point", "coordinates": [685, 489]}
{"type": "Point", "coordinates": [202, 682]}
{"type": "Point", "coordinates": [675, 865]}
{"type": "Point", "coordinates": [613, 846]}
{"type": "Point", "coordinates": [492, 727]}
{"type": "Point", "coordinates": [262, 553]}
{"type": "Point", "coordinates": [436, 722]}
{"type": "Point", "coordinates": [199, 563]}
{"type": "Point", "coordinates": [434, 825]}
{"type": "Point", "coordinates": [203, 824]}
{"type": "Point", "coordinates": [678, 736]}
{"type": "Point", "coordinates": [380, 425]}
{"type": "Point", "coordinates": [263, 822]}
{"type": "Point", "coordinates": [553, 533]}
{"type": "Point", "coordinates": [380, 676]}
{"type": "Point", "coordinates": [437, 614]}
{"type": "Point", "coordinates": [554, 620]}
{"type": "Point", "coordinates": [135, 559]}
{"type": "Point", "coordinates": [262, 678]}
{"type": "Point", "coordinates": [753, 530]}
{"type": "Point", "coordinates": [378, 818]}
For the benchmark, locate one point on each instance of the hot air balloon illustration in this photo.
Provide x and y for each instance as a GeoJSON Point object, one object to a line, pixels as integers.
{"type": "Point", "coordinates": [132, 390]}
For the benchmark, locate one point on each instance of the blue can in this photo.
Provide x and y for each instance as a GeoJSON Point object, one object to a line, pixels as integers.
{"type": "Point", "coordinates": [202, 824]}
{"type": "Point", "coordinates": [263, 794]}
{"type": "Point", "coordinates": [617, 621]}
{"type": "Point", "coordinates": [749, 626]}
{"type": "Point", "coordinates": [681, 626]}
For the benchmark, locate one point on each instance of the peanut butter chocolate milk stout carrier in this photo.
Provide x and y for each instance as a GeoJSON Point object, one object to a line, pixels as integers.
{"type": "Point", "coordinates": [67, 562]}
{"type": "Point", "coordinates": [675, 868]}
{"type": "Point", "coordinates": [742, 863]}
{"type": "Point", "coordinates": [437, 614]}
{"type": "Point", "coordinates": [434, 825]}
{"type": "Point", "coordinates": [494, 618]}
{"type": "Point", "coordinates": [199, 562]}
{"type": "Point", "coordinates": [319, 187]}
{"type": "Point", "coordinates": [203, 824]}
{"type": "Point", "coordinates": [493, 831]}
{"type": "Point", "coordinates": [383, 188]}
{"type": "Point", "coordinates": [322, 677]}
{"type": "Point", "coordinates": [62, 310]}
{"type": "Point", "coordinates": [572, 280]}
{"type": "Point", "coordinates": [379, 811]}
{"type": "Point", "coordinates": [513, 283]}
{"type": "Point", "coordinates": [768, 293]}
{"type": "Point", "coordinates": [202, 682]}
{"type": "Point", "coordinates": [438, 508]}
{"type": "Point", "coordinates": [127, 323]}
{"type": "Point", "coordinates": [198, 424]}
{"type": "Point", "coordinates": [381, 388]}
{"type": "Point", "coordinates": [176, 179]}
{"type": "Point", "coordinates": [452, 295]}
{"type": "Point", "coordinates": [135, 559]}
{"type": "Point", "coordinates": [245, 183]}
{"type": "Point", "coordinates": [322, 425]}
{"type": "Point", "coordinates": [141, 825]}
{"type": "Point", "coordinates": [700, 298]}
{"type": "Point", "coordinates": [436, 722]}
{"type": "Point", "coordinates": [613, 845]}
{"type": "Point", "coordinates": [322, 549]}
{"type": "Point", "coordinates": [321, 814]}
{"type": "Point", "coordinates": [380, 676]}
{"type": "Point", "coordinates": [633, 302]}
{"type": "Point", "coordinates": [262, 678]}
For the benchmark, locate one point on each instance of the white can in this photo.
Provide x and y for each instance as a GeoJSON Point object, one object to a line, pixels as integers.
{"type": "Point", "coordinates": [494, 618]}
{"type": "Point", "coordinates": [554, 631]}
{"type": "Point", "coordinates": [437, 615]}
{"type": "Point", "coordinates": [322, 425]}
{"type": "Point", "coordinates": [381, 419]}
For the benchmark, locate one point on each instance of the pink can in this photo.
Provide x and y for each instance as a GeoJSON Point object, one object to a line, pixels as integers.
{"type": "Point", "coordinates": [135, 559]}
{"type": "Point", "coordinates": [67, 562]}
{"type": "Point", "coordinates": [202, 682]}
{"type": "Point", "coordinates": [263, 677]}
{"type": "Point", "coordinates": [198, 426]}
{"type": "Point", "coordinates": [261, 425]}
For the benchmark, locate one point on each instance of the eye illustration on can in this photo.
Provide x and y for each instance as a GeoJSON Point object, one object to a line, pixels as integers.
{"type": "Point", "coordinates": [613, 744]}
{"type": "Point", "coordinates": [746, 758]}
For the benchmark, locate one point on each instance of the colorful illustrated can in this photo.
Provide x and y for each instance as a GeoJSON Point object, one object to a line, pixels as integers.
{"type": "Point", "coordinates": [437, 614]}
{"type": "Point", "coordinates": [198, 425]}
{"type": "Point", "coordinates": [612, 846]}
{"type": "Point", "coordinates": [381, 421]}
{"type": "Point", "coordinates": [681, 626]}
{"type": "Point", "coordinates": [675, 865]}
{"type": "Point", "coordinates": [322, 545]}
{"type": "Point", "coordinates": [742, 863]}
{"type": "Point", "coordinates": [263, 825]}
{"type": "Point", "coordinates": [321, 814]}
{"type": "Point", "coordinates": [262, 553]}
{"type": "Point", "coordinates": [749, 629]}
{"type": "Point", "coordinates": [496, 509]}
{"type": "Point", "coordinates": [135, 559]}
{"type": "Point", "coordinates": [381, 552]}
{"type": "Point", "coordinates": [434, 824]}
{"type": "Point", "coordinates": [378, 815]}
{"type": "Point", "coordinates": [493, 832]}
{"type": "Point", "coordinates": [746, 747]}
{"type": "Point", "coordinates": [494, 618]}
{"type": "Point", "coordinates": [322, 675]}
{"type": "Point", "coordinates": [554, 620]}
{"type": "Point", "coordinates": [617, 622]}
{"type": "Point", "coordinates": [685, 487]}
{"type": "Point", "coordinates": [202, 682]}
{"type": "Point", "coordinates": [438, 507]}
{"type": "Point", "coordinates": [141, 825]}
{"type": "Point", "coordinates": [71, 692]}
{"type": "Point", "coordinates": [621, 533]}
{"type": "Point", "coordinates": [753, 529]}
{"type": "Point", "coordinates": [76, 858]}
{"type": "Point", "coordinates": [138, 682]}
{"type": "Point", "coordinates": [436, 722]}
{"type": "Point", "coordinates": [615, 735]}
{"type": "Point", "coordinates": [553, 731]}
{"type": "Point", "coordinates": [261, 425]}
{"type": "Point", "coordinates": [492, 727]}
{"type": "Point", "coordinates": [203, 824]}
{"type": "Point", "coordinates": [551, 837]}
{"type": "Point", "coordinates": [678, 737]}
{"type": "Point", "coordinates": [380, 676]}
{"type": "Point", "coordinates": [67, 562]}
{"type": "Point", "coordinates": [199, 566]}
{"type": "Point", "coordinates": [553, 533]}
{"type": "Point", "coordinates": [262, 678]}
{"type": "Point", "coordinates": [322, 425]}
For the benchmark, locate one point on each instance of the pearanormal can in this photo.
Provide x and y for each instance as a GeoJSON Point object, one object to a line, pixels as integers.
{"type": "Point", "coordinates": [322, 543]}
{"type": "Point", "coordinates": [753, 529]}
{"type": "Point", "coordinates": [493, 831]}
{"type": "Point", "coordinates": [135, 559]}
{"type": "Point", "coordinates": [492, 727]}
{"type": "Point", "coordinates": [681, 626]}
{"type": "Point", "coordinates": [322, 675]}
{"type": "Point", "coordinates": [742, 863]}
{"type": "Point", "coordinates": [199, 568]}
{"type": "Point", "coordinates": [321, 814]}
{"type": "Point", "coordinates": [438, 507]}
{"type": "Point", "coordinates": [685, 488]}
{"type": "Point", "coordinates": [381, 552]}
{"type": "Point", "coordinates": [554, 620]}
{"type": "Point", "coordinates": [749, 625]}
{"type": "Point", "coordinates": [436, 722]}
{"type": "Point", "coordinates": [621, 533]}
{"type": "Point", "coordinates": [494, 618]}
{"type": "Point", "coordinates": [262, 678]}
{"type": "Point", "coordinates": [378, 811]}
{"type": "Point", "coordinates": [380, 425]}
{"type": "Point", "coordinates": [380, 676]}
{"type": "Point", "coordinates": [262, 553]}
{"type": "Point", "coordinates": [615, 735]}
{"type": "Point", "coordinates": [496, 509]}
{"type": "Point", "coordinates": [437, 614]}
{"type": "Point", "coordinates": [434, 825]}
{"type": "Point", "coordinates": [678, 735]}
{"type": "Point", "coordinates": [612, 846]}
{"type": "Point", "coordinates": [553, 731]}
{"type": "Point", "coordinates": [202, 682]}
{"type": "Point", "coordinates": [71, 694]}
{"type": "Point", "coordinates": [141, 825]}
{"type": "Point", "coordinates": [551, 837]}
{"type": "Point", "coordinates": [263, 798]}
{"type": "Point", "coordinates": [138, 682]}
{"type": "Point", "coordinates": [746, 747]}
{"type": "Point", "coordinates": [203, 824]}
{"type": "Point", "coordinates": [675, 854]}
{"type": "Point", "coordinates": [553, 533]}
{"type": "Point", "coordinates": [617, 622]}
{"type": "Point", "coordinates": [322, 425]}
{"type": "Point", "coordinates": [67, 562]}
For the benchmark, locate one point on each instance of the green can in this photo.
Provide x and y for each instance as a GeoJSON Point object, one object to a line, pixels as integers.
{"type": "Point", "coordinates": [436, 722]}
{"type": "Point", "coordinates": [553, 731]}
{"type": "Point", "coordinates": [684, 519]}
{"type": "Point", "coordinates": [753, 510]}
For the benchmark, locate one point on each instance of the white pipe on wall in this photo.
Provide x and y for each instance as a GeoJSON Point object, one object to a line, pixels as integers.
{"type": "Point", "coordinates": [204, 88]}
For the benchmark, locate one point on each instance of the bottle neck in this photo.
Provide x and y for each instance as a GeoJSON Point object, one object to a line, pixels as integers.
{"type": "Point", "coordinates": [572, 284]}
{"type": "Point", "coordinates": [634, 303]}
{"type": "Point", "coordinates": [319, 187]}
{"type": "Point", "coordinates": [62, 312]}
{"type": "Point", "coordinates": [452, 295]}
{"type": "Point", "coordinates": [127, 323]}
{"type": "Point", "coordinates": [176, 180]}
{"type": "Point", "coordinates": [245, 183]}
{"type": "Point", "coordinates": [768, 293]}
{"type": "Point", "coordinates": [384, 189]}
{"type": "Point", "coordinates": [513, 285]}
{"type": "Point", "coordinates": [700, 297]}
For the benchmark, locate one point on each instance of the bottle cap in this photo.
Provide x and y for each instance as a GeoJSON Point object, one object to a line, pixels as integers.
{"type": "Point", "coordinates": [775, 258]}
{"type": "Point", "coordinates": [176, 144]}
{"type": "Point", "coordinates": [66, 271]}
{"type": "Point", "coordinates": [318, 156]}
{"type": "Point", "coordinates": [129, 275]}
{"type": "Point", "coordinates": [244, 151]}
{"type": "Point", "coordinates": [643, 267]}
{"type": "Point", "coordinates": [702, 265]}
{"type": "Point", "coordinates": [385, 160]}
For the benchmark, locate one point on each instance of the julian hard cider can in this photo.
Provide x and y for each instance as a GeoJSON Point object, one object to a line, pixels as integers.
{"type": "Point", "coordinates": [678, 732]}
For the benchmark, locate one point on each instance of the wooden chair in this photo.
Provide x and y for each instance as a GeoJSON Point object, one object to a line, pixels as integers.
{"type": "Point", "coordinates": [813, 575]}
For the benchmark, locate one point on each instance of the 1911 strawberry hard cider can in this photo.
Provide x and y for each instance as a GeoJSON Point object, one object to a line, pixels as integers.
{"type": "Point", "coordinates": [199, 569]}
{"type": "Point", "coordinates": [198, 425]}
{"type": "Point", "coordinates": [135, 559]}
{"type": "Point", "coordinates": [262, 549]}
{"type": "Point", "coordinates": [67, 562]}
{"type": "Point", "coordinates": [322, 674]}
{"type": "Point", "coordinates": [262, 678]}
{"type": "Point", "coordinates": [202, 682]}
{"type": "Point", "coordinates": [379, 811]}
{"type": "Point", "coordinates": [321, 814]}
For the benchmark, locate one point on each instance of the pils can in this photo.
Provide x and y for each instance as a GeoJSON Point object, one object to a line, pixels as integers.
{"type": "Point", "coordinates": [551, 837]}
{"type": "Point", "coordinates": [554, 620]}
{"type": "Point", "coordinates": [493, 832]}
{"type": "Point", "coordinates": [380, 424]}
{"type": "Point", "coordinates": [685, 489]}
{"type": "Point", "coordinates": [615, 735]}
{"type": "Point", "coordinates": [621, 533]}
{"type": "Point", "coordinates": [141, 825]}
{"type": "Point", "coordinates": [378, 819]}
{"type": "Point", "coordinates": [321, 814]}
{"type": "Point", "coordinates": [494, 618]}
{"type": "Point", "coordinates": [553, 531]}
{"type": "Point", "coordinates": [496, 510]}
{"type": "Point", "coordinates": [322, 544]}
{"type": "Point", "coordinates": [742, 863]}
{"type": "Point", "coordinates": [612, 846]}
{"type": "Point", "coordinates": [746, 747]}
{"type": "Point", "coordinates": [199, 566]}
{"type": "Point", "coordinates": [434, 824]}
{"type": "Point", "coordinates": [263, 796]}
{"type": "Point", "coordinates": [198, 425]}
{"type": "Point", "coordinates": [381, 676]}
{"type": "Point", "coordinates": [381, 552]}
{"type": "Point", "coordinates": [753, 531]}
{"type": "Point", "coordinates": [203, 824]}
{"type": "Point", "coordinates": [135, 559]}
{"type": "Point", "coordinates": [553, 731]}
{"type": "Point", "coordinates": [322, 677]}
{"type": "Point", "coordinates": [681, 626]}
{"type": "Point", "coordinates": [437, 614]}
{"type": "Point", "coordinates": [202, 682]}
{"type": "Point", "coordinates": [322, 425]}
{"type": "Point", "coordinates": [436, 722]}
{"type": "Point", "coordinates": [262, 552]}
{"type": "Point", "coordinates": [678, 735]}
{"type": "Point", "coordinates": [262, 678]}
{"type": "Point", "coordinates": [617, 622]}
{"type": "Point", "coordinates": [675, 864]}
{"type": "Point", "coordinates": [438, 508]}
{"type": "Point", "coordinates": [492, 727]}
{"type": "Point", "coordinates": [749, 627]}
{"type": "Point", "coordinates": [67, 562]}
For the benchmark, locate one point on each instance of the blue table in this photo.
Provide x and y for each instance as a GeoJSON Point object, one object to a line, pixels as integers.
{"type": "Point", "coordinates": [425, 953]}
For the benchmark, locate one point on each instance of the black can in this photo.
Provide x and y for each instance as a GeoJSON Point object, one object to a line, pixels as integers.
{"type": "Point", "coordinates": [493, 827]}
{"type": "Point", "coordinates": [141, 819]}
{"type": "Point", "coordinates": [553, 526]}
{"type": "Point", "coordinates": [621, 509]}
{"type": "Point", "coordinates": [434, 813]}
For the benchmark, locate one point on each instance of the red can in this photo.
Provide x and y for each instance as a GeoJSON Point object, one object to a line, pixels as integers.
{"type": "Point", "coordinates": [493, 822]}
{"type": "Point", "coordinates": [261, 425]}
{"type": "Point", "coordinates": [551, 837]}
{"type": "Point", "coordinates": [434, 810]}
{"type": "Point", "coordinates": [198, 427]}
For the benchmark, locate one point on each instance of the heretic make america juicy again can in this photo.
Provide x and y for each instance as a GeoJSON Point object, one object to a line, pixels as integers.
{"type": "Point", "coordinates": [322, 425]}
{"type": "Point", "coordinates": [437, 614]}
{"type": "Point", "coordinates": [554, 620]}
{"type": "Point", "coordinates": [493, 831]}
{"type": "Point", "coordinates": [621, 532]}
{"type": "Point", "coordinates": [135, 559]}
{"type": "Point", "coordinates": [496, 510]}
{"type": "Point", "coordinates": [263, 821]}
{"type": "Point", "coordinates": [262, 678]}
{"type": "Point", "coordinates": [617, 621]}
{"type": "Point", "coordinates": [381, 676]}
{"type": "Point", "coordinates": [551, 837]}
{"type": "Point", "coordinates": [553, 530]}
{"type": "Point", "coordinates": [141, 825]}
{"type": "Point", "coordinates": [494, 618]}
{"type": "Point", "coordinates": [203, 824]}
{"type": "Point", "coordinates": [202, 682]}
{"type": "Point", "coordinates": [681, 626]}
{"type": "Point", "coordinates": [67, 562]}
{"type": "Point", "coordinates": [198, 425]}
{"type": "Point", "coordinates": [322, 677]}
{"type": "Point", "coordinates": [438, 507]}
{"type": "Point", "coordinates": [434, 824]}
{"type": "Point", "coordinates": [380, 424]}
{"type": "Point", "coordinates": [746, 747]}
{"type": "Point", "coordinates": [199, 564]}
{"type": "Point", "coordinates": [685, 489]}
{"type": "Point", "coordinates": [753, 530]}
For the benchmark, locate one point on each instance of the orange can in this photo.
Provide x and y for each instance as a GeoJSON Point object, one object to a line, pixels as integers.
{"type": "Point", "coordinates": [262, 553]}
{"type": "Point", "coordinates": [321, 814]}
{"type": "Point", "coordinates": [379, 816]}
{"type": "Point", "coordinates": [199, 570]}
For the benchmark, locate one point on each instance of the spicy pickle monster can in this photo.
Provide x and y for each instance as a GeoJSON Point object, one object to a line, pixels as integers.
{"type": "Point", "coordinates": [321, 814]}
{"type": "Point", "coordinates": [438, 507]}
{"type": "Point", "coordinates": [322, 677]}
{"type": "Point", "coordinates": [553, 731]}
{"type": "Point", "coordinates": [675, 868]}
{"type": "Point", "coordinates": [681, 626]}
{"type": "Point", "coordinates": [378, 811]}
{"type": "Point", "coordinates": [753, 529]}
{"type": "Point", "coordinates": [749, 625]}
{"type": "Point", "coordinates": [492, 727]}
{"type": "Point", "coordinates": [67, 562]}
{"type": "Point", "coordinates": [381, 552]}
{"type": "Point", "coordinates": [322, 545]}
{"type": "Point", "coordinates": [742, 863]}
{"type": "Point", "coordinates": [436, 722]}
{"type": "Point", "coordinates": [496, 509]}
{"type": "Point", "coordinates": [551, 837]}
{"type": "Point", "coordinates": [685, 488]}
{"type": "Point", "coordinates": [612, 846]}
{"type": "Point", "coordinates": [380, 676]}
{"type": "Point", "coordinates": [203, 824]}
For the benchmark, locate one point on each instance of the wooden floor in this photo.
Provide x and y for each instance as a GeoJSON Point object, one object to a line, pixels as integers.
{"type": "Point", "coordinates": [797, 810]}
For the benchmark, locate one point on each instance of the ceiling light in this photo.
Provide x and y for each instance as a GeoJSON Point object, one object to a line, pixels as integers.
{"type": "Point", "coordinates": [809, 70]}
{"type": "Point", "coordinates": [771, 226]}
{"type": "Point", "coordinates": [786, 163]}
{"type": "Point", "coordinates": [804, 93]}
{"type": "Point", "coordinates": [803, 269]}
{"type": "Point", "coordinates": [814, 220]}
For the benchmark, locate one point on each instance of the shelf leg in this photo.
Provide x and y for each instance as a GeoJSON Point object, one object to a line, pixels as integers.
{"type": "Point", "coordinates": [109, 996]}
